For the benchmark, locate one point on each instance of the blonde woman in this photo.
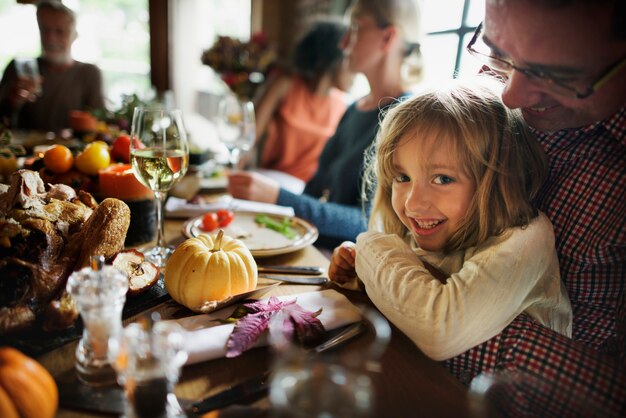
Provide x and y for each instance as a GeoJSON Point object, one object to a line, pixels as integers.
{"type": "Point", "coordinates": [462, 251]}
{"type": "Point", "coordinates": [382, 44]}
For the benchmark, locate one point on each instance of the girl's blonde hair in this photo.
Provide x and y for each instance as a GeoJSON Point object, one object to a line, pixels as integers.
{"type": "Point", "coordinates": [491, 142]}
{"type": "Point", "coordinates": [405, 15]}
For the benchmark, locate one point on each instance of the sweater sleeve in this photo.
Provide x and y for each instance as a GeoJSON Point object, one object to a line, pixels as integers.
{"type": "Point", "coordinates": [336, 221]}
{"type": "Point", "coordinates": [496, 282]}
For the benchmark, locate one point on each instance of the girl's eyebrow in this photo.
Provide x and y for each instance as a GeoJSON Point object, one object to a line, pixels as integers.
{"type": "Point", "coordinates": [442, 167]}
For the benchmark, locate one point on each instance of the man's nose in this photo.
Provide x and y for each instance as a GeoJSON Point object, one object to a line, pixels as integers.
{"type": "Point", "coordinates": [520, 91]}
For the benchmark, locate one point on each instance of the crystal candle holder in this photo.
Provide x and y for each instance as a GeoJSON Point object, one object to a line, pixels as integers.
{"type": "Point", "coordinates": [99, 295]}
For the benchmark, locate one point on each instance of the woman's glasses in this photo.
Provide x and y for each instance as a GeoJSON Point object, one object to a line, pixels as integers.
{"type": "Point", "coordinates": [564, 85]}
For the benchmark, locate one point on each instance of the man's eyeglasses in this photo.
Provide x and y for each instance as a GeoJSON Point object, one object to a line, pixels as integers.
{"type": "Point", "coordinates": [564, 85]}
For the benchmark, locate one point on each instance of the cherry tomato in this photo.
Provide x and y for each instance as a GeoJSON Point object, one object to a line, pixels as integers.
{"type": "Point", "coordinates": [58, 159]}
{"type": "Point", "coordinates": [120, 150]}
{"type": "Point", "coordinates": [210, 221]}
{"type": "Point", "coordinates": [225, 217]}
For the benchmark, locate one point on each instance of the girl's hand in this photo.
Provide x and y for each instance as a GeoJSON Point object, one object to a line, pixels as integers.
{"type": "Point", "coordinates": [341, 268]}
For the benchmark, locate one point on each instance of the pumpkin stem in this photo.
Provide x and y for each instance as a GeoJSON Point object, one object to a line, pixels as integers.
{"type": "Point", "coordinates": [218, 241]}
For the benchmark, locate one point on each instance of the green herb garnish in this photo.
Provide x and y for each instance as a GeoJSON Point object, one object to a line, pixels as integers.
{"type": "Point", "coordinates": [283, 227]}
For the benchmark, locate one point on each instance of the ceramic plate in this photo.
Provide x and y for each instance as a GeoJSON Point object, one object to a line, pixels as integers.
{"type": "Point", "coordinates": [261, 241]}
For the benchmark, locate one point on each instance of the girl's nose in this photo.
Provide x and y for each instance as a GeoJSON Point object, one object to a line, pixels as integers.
{"type": "Point", "coordinates": [417, 199]}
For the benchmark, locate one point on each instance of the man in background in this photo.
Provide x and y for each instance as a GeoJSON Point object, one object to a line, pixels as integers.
{"type": "Point", "coordinates": [43, 102]}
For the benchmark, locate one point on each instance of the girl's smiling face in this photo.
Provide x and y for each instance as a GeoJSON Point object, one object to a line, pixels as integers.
{"type": "Point", "coordinates": [430, 191]}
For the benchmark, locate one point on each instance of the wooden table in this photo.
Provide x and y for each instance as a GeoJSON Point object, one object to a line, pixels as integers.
{"type": "Point", "coordinates": [408, 385]}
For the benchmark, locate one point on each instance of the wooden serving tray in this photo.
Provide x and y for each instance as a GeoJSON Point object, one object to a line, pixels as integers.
{"type": "Point", "coordinates": [37, 342]}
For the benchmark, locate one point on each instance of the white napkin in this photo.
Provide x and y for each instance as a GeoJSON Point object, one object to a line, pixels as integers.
{"type": "Point", "coordinates": [180, 208]}
{"type": "Point", "coordinates": [206, 340]}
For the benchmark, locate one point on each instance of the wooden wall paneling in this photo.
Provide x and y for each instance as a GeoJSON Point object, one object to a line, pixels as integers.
{"type": "Point", "coordinates": [159, 45]}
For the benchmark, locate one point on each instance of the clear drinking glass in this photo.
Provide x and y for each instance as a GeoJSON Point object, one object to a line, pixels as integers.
{"type": "Point", "coordinates": [147, 356]}
{"type": "Point", "coordinates": [514, 393]}
{"type": "Point", "coordinates": [29, 68]}
{"type": "Point", "coordinates": [236, 126]}
{"type": "Point", "coordinates": [328, 385]}
{"type": "Point", "coordinates": [159, 154]}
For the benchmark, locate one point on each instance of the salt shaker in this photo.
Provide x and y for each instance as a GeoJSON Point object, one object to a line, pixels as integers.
{"type": "Point", "coordinates": [148, 356]}
{"type": "Point", "coordinates": [99, 292]}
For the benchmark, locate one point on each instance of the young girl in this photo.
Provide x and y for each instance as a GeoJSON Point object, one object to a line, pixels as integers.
{"type": "Point", "coordinates": [462, 251]}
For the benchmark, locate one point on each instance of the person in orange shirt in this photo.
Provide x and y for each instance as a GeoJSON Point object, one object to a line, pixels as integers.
{"type": "Point", "coordinates": [298, 111]}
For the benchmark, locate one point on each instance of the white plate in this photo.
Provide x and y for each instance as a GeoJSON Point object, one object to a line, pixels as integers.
{"type": "Point", "coordinates": [260, 240]}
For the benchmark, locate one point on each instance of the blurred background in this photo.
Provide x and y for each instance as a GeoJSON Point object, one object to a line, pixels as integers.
{"type": "Point", "coordinates": [154, 48]}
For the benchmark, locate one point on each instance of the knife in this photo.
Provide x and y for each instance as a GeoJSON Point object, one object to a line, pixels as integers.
{"type": "Point", "coordinates": [302, 270]}
{"type": "Point", "coordinates": [257, 387]}
{"type": "Point", "coordinates": [317, 280]}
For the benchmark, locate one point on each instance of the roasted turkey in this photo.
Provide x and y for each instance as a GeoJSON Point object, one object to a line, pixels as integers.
{"type": "Point", "coordinates": [45, 235]}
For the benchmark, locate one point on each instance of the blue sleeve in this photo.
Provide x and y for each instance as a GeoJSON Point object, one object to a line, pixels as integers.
{"type": "Point", "coordinates": [336, 222]}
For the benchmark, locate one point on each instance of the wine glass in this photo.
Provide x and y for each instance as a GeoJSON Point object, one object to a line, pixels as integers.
{"type": "Point", "coordinates": [236, 126]}
{"type": "Point", "coordinates": [160, 156]}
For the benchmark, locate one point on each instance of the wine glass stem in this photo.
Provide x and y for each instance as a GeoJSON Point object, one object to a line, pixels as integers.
{"type": "Point", "coordinates": [160, 203]}
{"type": "Point", "coordinates": [234, 158]}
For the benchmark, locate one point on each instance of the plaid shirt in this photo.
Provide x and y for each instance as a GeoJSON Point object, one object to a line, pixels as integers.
{"type": "Point", "coordinates": [584, 197]}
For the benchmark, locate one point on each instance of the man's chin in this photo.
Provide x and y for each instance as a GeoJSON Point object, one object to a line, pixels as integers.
{"type": "Point", "coordinates": [57, 59]}
{"type": "Point", "coordinates": [542, 123]}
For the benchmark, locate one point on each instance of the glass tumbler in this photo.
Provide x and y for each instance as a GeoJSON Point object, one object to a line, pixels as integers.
{"type": "Point", "coordinates": [328, 385]}
{"type": "Point", "coordinates": [147, 357]}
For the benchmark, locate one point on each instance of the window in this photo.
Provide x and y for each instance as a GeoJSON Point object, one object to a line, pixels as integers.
{"type": "Point", "coordinates": [449, 25]}
{"type": "Point", "coordinates": [194, 27]}
{"type": "Point", "coordinates": [112, 34]}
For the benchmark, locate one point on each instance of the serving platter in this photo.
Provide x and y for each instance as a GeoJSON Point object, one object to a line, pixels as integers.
{"type": "Point", "coordinates": [260, 240]}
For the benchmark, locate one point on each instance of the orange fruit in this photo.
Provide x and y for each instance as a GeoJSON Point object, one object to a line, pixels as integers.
{"type": "Point", "coordinates": [58, 159]}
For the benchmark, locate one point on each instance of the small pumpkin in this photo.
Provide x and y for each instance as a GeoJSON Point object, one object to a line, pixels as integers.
{"type": "Point", "coordinates": [209, 268]}
{"type": "Point", "coordinates": [27, 390]}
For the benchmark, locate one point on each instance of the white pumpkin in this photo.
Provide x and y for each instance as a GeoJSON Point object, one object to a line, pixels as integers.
{"type": "Point", "coordinates": [209, 268]}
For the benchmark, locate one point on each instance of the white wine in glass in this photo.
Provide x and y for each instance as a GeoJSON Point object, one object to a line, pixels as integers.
{"type": "Point", "coordinates": [159, 154]}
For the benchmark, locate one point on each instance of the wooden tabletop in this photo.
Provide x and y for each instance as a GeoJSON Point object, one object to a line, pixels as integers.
{"type": "Point", "coordinates": [408, 384]}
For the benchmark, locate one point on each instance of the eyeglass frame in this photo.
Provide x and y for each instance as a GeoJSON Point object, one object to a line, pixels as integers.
{"type": "Point", "coordinates": [537, 74]}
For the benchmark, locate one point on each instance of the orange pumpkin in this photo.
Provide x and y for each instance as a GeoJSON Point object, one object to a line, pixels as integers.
{"type": "Point", "coordinates": [27, 390]}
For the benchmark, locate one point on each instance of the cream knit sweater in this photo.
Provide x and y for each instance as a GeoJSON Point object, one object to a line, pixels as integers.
{"type": "Point", "coordinates": [487, 287]}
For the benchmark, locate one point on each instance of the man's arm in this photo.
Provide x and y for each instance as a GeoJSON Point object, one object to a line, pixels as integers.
{"type": "Point", "coordinates": [573, 380]}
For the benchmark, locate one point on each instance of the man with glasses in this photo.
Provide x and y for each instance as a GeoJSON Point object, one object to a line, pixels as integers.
{"type": "Point", "coordinates": [564, 65]}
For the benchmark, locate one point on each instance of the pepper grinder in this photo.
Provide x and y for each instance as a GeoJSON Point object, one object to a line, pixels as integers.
{"type": "Point", "coordinates": [99, 292]}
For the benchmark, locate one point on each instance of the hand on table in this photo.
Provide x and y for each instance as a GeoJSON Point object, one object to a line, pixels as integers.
{"type": "Point", "coordinates": [341, 269]}
{"type": "Point", "coordinates": [252, 186]}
